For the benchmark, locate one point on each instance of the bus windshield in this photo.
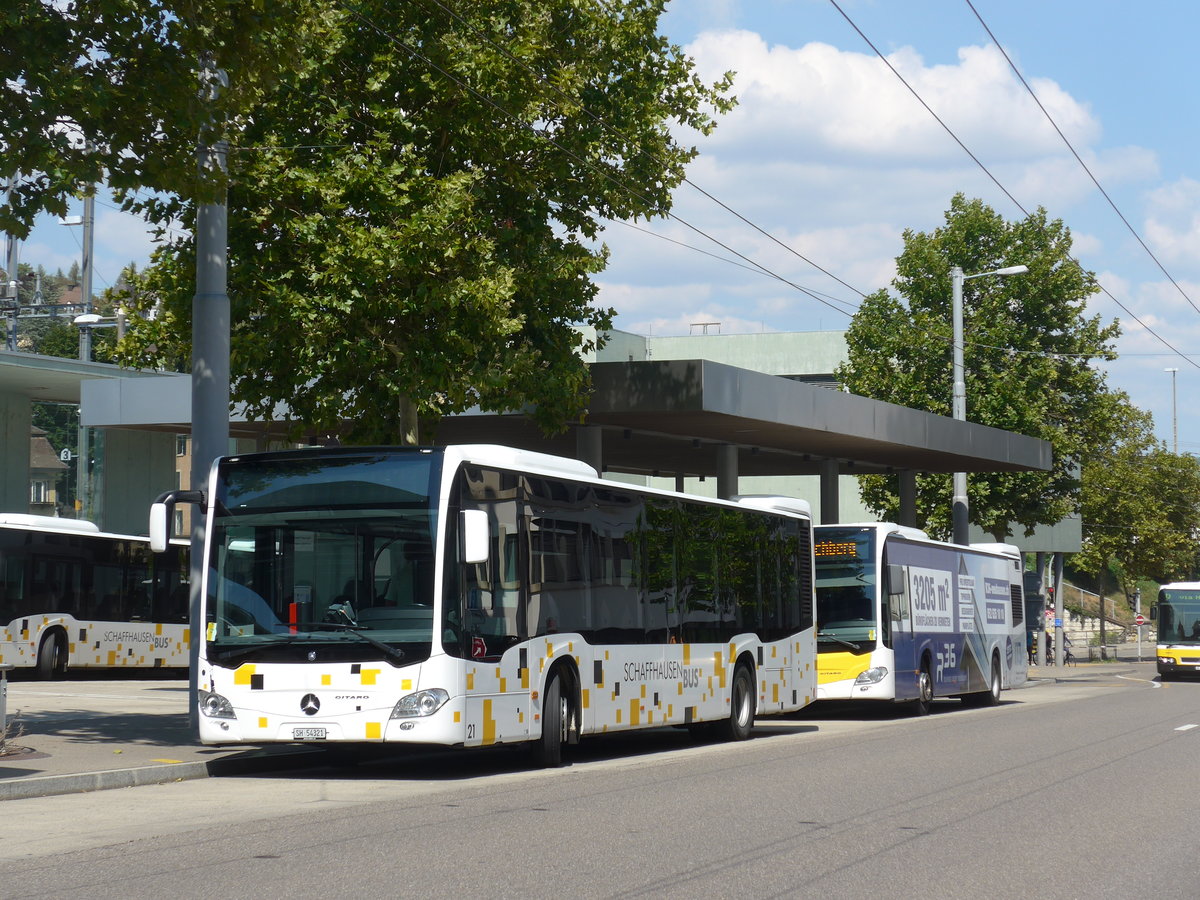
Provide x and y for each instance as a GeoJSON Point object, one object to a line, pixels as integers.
{"type": "Point", "coordinates": [846, 581]}
{"type": "Point", "coordinates": [327, 558]}
{"type": "Point", "coordinates": [1179, 616]}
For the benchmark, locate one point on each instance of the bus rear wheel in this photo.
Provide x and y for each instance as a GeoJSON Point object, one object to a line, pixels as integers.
{"type": "Point", "coordinates": [741, 706]}
{"type": "Point", "coordinates": [51, 657]}
{"type": "Point", "coordinates": [990, 697]}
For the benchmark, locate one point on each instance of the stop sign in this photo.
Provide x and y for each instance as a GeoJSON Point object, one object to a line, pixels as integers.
{"type": "Point", "coordinates": [1139, 619]}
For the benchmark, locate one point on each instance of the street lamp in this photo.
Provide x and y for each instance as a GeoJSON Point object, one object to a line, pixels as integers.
{"type": "Point", "coordinates": [90, 320]}
{"type": "Point", "coordinates": [959, 510]}
{"type": "Point", "coordinates": [85, 322]}
{"type": "Point", "coordinates": [1174, 420]}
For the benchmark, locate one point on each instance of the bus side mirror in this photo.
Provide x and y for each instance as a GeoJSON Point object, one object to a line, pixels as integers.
{"type": "Point", "coordinates": [474, 534]}
{"type": "Point", "coordinates": [162, 512]}
{"type": "Point", "coordinates": [895, 578]}
{"type": "Point", "coordinates": [1154, 613]}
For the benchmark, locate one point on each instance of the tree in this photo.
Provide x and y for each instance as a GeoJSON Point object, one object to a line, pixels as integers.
{"type": "Point", "coordinates": [95, 90]}
{"type": "Point", "coordinates": [1028, 349]}
{"type": "Point", "coordinates": [411, 214]}
{"type": "Point", "coordinates": [1140, 505]}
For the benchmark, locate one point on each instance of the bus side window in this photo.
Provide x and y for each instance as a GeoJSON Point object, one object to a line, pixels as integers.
{"type": "Point", "coordinates": [485, 615]}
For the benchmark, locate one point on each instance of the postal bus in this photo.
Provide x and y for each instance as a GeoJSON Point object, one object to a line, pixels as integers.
{"type": "Point", "coordinates": [479, 595]}
{"type": "Point", "coordinates": [905, 618]}
{"type": "Point", "coordinates": [1177, 615]}
{"type": "Point", "coordinates": [72, 596]}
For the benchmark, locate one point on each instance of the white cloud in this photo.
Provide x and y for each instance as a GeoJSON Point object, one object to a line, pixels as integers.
{"type": "Point", "coordinates": [820, 102]}
{"type": "Point", "coordinates": [1173, 221]}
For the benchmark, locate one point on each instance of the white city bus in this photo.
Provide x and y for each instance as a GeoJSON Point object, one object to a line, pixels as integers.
{"type": "Point", "coordinates": [905, 618]}
{"type": "Point", "coordinates": [72, 596]}
{"type": "Point", "coordinates": [479, 595]}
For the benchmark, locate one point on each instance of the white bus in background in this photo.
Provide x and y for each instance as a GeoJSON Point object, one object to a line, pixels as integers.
{"type": "Point", "coordinates": [480, 595]}
{"type": "Point", "coordinates": [905, 618]}
{"type": "Point", "coordinates": [72, 596]}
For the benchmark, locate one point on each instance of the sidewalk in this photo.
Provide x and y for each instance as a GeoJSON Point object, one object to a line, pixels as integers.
{"type": "Point", "coordinates": [90, 734]}
{"type": "Point", "coordinates": [1122, 660]}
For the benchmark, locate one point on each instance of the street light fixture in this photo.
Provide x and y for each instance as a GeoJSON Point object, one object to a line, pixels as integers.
{"type": "Point", "coordinates": [95, 320]}
{"type": "Point", "coordinates": [1174, 419]}
{"type": "Point", "coordinates": [959, 510]}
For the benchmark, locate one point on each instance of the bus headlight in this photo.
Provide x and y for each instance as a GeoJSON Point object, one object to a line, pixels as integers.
{"type": "Point", "coordinates": [422, 703]}
{"type": "Point", "coordinates": [214, 706]}
{"type": "Point", "coordinates": [872, 676]}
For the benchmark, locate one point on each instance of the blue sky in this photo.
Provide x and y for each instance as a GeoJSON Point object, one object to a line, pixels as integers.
{"type": "Point", "coordinates": [830, 154]}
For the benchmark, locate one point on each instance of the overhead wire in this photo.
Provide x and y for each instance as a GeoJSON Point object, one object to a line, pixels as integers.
{"type": "Point", "coordinates": [576, 157]}
{"type": "Point", "coordinates": [617, 132]}
{"type": "Point", "coordinates": [997, 182]}
{"type": "Point", "coordinates": [1078, 158]}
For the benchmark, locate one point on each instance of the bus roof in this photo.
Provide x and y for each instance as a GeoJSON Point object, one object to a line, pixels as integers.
{"type": "Point", "coordinates": [541, 464]}
{"type": "Point", "coordinates": [915, 534]}
{"type": "Point", "coordinates": [48, 523]}
{"type": "Point", "coordinates": [775, 502]}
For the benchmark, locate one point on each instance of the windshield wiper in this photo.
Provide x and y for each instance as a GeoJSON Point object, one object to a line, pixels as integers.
{"type": "Point", "coordinates": [236, 653]}
{"type": "Point", "coordinates": [829, 636]}
{"type": "Point", "coordinates": [357, 630]}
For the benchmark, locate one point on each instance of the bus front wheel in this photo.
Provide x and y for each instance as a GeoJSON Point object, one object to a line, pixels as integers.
{"type": "Point", "coordinates": [52, 657]}
{"type": "Point", "coordinates": [556, 716]}
{"type": "Point", "coordinates": [924, 699]}
{"type": "Point", "coordinates": [741, 706]}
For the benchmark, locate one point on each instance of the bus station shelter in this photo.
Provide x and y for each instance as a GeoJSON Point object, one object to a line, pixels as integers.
{"type": "Point", "coordinates": [676, 418]}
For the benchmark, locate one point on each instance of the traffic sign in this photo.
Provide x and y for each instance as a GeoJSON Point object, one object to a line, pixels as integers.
{"type": "Point", "coordinates": [1139, 619]}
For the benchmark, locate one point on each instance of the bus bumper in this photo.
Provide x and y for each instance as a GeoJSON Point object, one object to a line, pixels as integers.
{"type": "Point", "coordinates": [1180, 663]}
{"type": "Point", "coordinates": [859, 688]}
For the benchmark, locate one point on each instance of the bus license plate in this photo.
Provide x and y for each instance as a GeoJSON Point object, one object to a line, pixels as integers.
{"type": "Point", "coordinates": [308, 734]}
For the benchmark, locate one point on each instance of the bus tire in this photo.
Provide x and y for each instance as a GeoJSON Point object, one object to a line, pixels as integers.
{"type": "Point", "coordinates": [556, 715]}
{"type": "Point", "coordinates": [742, 703]}
{"type": "Point", "coordinates": [990, 697]}
{"type": "Point", "coordinates": [51, 657]}
{"type": "Point", "coordinates": [924, 701]}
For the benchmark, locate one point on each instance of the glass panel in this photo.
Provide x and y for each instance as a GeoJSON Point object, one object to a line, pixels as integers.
{"type": "Point", "coordinates": [846, 587]}
{"type": "Point", "coordinates": [328, 555]}
{"type": "Point", "coordinates": [1179, 616]}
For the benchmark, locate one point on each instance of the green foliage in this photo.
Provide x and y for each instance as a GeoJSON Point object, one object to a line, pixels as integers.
{"type": "Point", "coordinates": [1028, 349]}
{"type": "Point", "coordinates": [410, 209]}
{"type": "Point", "coordinates": [95, 90]}
{"type": "Point", "coordinates": [1140, 504]}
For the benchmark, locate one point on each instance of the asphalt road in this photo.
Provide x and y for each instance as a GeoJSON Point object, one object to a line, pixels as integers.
{"type": "Point", "coordinates": [1077, 789]}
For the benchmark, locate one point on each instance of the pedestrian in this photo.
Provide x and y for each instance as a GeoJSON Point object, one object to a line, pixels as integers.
{"type": "Point", "coordinates": [1029, 646]}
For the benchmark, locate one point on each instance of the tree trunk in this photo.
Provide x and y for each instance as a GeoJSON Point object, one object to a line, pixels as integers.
{"type": "Point", "coordinates": [409, 430]}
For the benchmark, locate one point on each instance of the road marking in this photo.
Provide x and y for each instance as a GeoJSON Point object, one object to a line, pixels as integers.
{"type": "Point", "coordinates": [1148, 681]}
{"type": "Point", "coordinates": [1187, 727]}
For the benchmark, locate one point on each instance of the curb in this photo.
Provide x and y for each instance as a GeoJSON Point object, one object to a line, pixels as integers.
{"type": "Point", "coordinates": [86, 782]}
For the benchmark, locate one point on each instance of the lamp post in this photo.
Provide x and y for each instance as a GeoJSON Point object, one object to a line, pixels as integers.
{"type": "Point", "coordinates": [959, 510]}
{"type": "Point", "coordinates": [1174, 419]}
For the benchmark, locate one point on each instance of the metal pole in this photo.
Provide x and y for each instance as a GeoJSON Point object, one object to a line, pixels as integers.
{"type": "Point", "coordinates": [85, 286]}
{"type": "Point", "coordinates": [959, 511]}
{"type": "Point", "coordinates": [1174, 416]}
{"type": "Point", "coordinates": [1137, 611]}
{"type": "Point", "coordinates": [210, 360]}
{"type": "Point", "coordinates": [1058, 609]}
{"type": "Point", "coordinates": [12, 284]}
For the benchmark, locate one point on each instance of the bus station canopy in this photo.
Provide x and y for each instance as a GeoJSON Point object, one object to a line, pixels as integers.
{"type": "Point", "coordinates": [671, 416]}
